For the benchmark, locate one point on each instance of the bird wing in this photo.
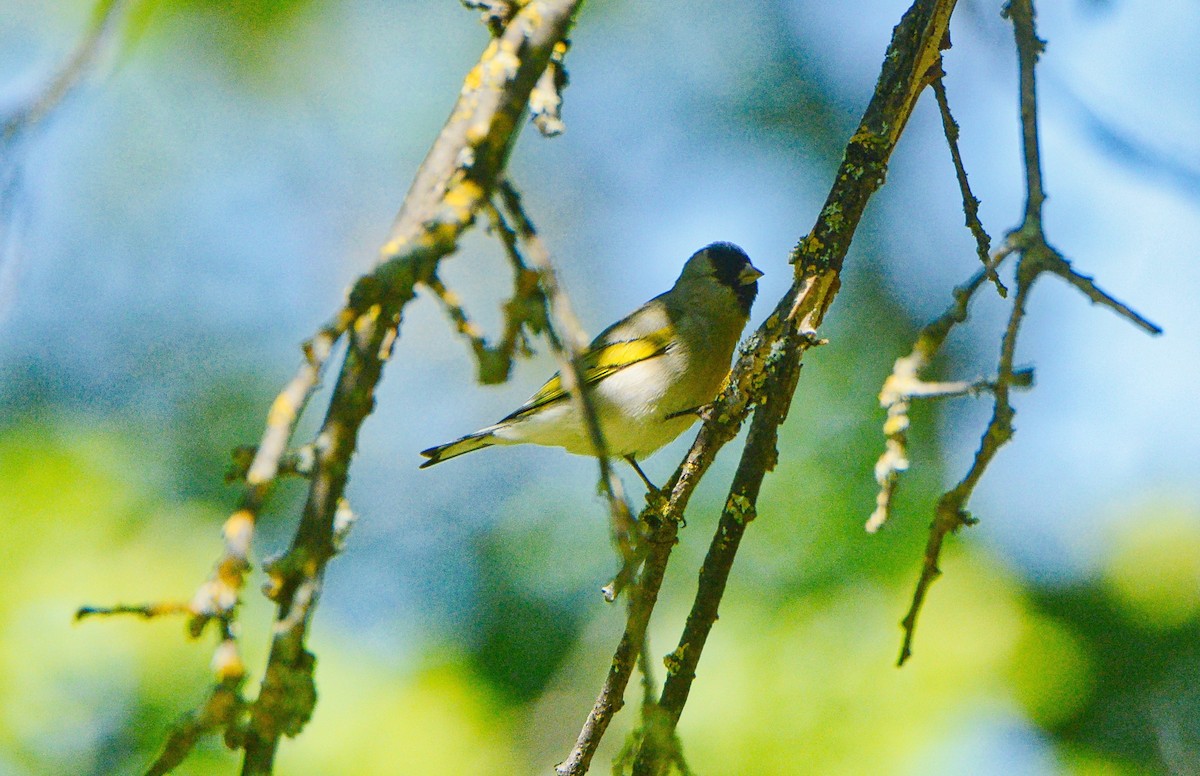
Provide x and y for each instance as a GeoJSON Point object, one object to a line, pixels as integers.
{"type": "Point", "coordinates": [601, 360]}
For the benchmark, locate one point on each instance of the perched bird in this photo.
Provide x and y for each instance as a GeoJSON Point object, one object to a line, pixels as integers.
{"type": "Point", "coordinates": [648, 374]}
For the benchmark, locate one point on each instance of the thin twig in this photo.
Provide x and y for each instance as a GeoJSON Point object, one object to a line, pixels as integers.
{"type": "Point", "coordinates": [983, 242]}
{"type": "Point", "coordinates": [145, 611]}
{"type": "Point", "coordinates": [758, 457]}
{"type": "Point", "coordinates": [295, 462]}
{"type": "Point", "coordinates": [525, 308]}
{"type": "Point", "coordinates": [1087, 286]}
{"type": "Point", "coordinates": [1029, 48]}
{"type": "Point", "coordinates": [951, 511]}
{"type": "Point", "coordinates": [1036, 256]}
{"type": "Point", "coordinates": [569, 343]}
{"type": "Point", "coordinates": [218, 597]}
{"type": "Point", "coordinates": [905, 384]}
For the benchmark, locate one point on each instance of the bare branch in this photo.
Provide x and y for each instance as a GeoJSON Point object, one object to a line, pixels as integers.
{"type": "Point", "coordinates": [1029, 48]}
{"type": "Point", "coordinates": [1087, 286]}
{"type": "Point", "coordinates": [454, 182]}
{"type": "Point", "coordinates": [1036, 256]}
{"type": "Point", "coordinates": [905, 384]}
{"type": "Point", "coordinates": [983, 243]}
{"type": "Point", "coordinates": [569, 343]}
{"type": "Point", "coordinates": [145, 611]}
{"type": "Point", "coordinates": [525, 308]}
{"type": "Point", "coordinates": [951, 509]}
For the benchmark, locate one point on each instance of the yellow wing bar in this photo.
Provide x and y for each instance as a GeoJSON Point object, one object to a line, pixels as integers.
{"type": "Point", "coordinates": [598, 363]}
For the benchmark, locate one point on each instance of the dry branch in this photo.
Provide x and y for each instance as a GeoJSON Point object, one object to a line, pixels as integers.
{"type": "Point", "coordinates": [453, 184]}
{"type": "Point", "coordinates": [1035, 257]}
{"type": "Point", "coordinates": [905, 384]}
{"type": "Point", "coordinates": [983, 242]}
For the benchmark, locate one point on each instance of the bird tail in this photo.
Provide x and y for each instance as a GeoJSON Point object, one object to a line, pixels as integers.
{"type": "Point", "coordinates": [467, 444]}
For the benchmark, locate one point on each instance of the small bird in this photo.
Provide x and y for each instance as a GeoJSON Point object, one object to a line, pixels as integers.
{"type": "Point", "coordinates": [648, 374]}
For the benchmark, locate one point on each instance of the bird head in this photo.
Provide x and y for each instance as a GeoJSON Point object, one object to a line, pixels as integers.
{"type": "Point", "coordinates": [729, 266]}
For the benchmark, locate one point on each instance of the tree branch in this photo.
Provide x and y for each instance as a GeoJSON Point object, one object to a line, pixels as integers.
{"type": "Point", "coordinates": [905, 384]}
{"type": "Point", "coordinates": [763, 374]}
{"type": "Point", "coordinates": [452, 184]}
{"type": "Point", "coordinates": [1036, 256]}
{"type": "Point", "coordinates": [983, 243]}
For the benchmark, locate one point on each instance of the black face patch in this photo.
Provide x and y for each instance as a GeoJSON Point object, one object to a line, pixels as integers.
{"type": "Point", "coordinates": [728, 261]}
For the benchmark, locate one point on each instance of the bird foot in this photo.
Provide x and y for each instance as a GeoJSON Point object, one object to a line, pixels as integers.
{"type": "Point", "coordinates": [704, 412]}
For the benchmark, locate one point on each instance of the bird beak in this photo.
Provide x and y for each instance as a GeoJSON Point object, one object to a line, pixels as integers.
{"type": "Point", "coordinates": [749, 274]}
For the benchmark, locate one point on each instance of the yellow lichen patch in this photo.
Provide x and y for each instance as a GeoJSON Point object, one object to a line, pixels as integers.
{"type": "Point", "coordinates": [440, 235]}
{"type": "Point", "coordinates": [212, 598]}
{"type": "Point", "coordinates": [476, 134]}
{"type": "Point", "coordinates": [464, 196]}
{"type": "Point", "coordinates": [274, 584]}
{"type": "Point", "coordinates": [833, 215]}
{"type": "Point", "coordinates": [895, 424]}
{"type": "Point", "coordinates": [230, 576]}
{"type": "Point", "coordinates": [238, 531]}
{"type": "Point", "coordinates": [492, 47]}
{"type": "Point", "coordinates": [740, 508]}
{"type": "Point", "coordinates": [502, 66]}
{"type": "Point", "coordinates": [473, 80]}
{"type": "Point", "coordinates": [864, 136]}
{"type": "Point", "coordinates": [365, 321]}
{"type": "Point", "coordinates": [282, 412]}
{"type": "Point", "coordinates": [674, 661]}
{"type": "Point", "coordinates": [531, 14]}
{"type": "Point", "coordinates": [391, 248]}
{"type": "Point", "coordinates": [385, 345]}
{"type": "Point", "coordinates": [227, 662]}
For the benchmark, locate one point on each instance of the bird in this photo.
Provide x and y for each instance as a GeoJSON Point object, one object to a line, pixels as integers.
{"type": "Point", "coordinates": [648, 375]}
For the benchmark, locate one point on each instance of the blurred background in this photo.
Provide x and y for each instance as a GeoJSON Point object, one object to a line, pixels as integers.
{"type": "Point", "coordinates": [196, 210]}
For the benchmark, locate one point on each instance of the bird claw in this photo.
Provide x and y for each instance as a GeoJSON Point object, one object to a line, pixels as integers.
{"type": "Point", "coordinates": [704, 412]}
